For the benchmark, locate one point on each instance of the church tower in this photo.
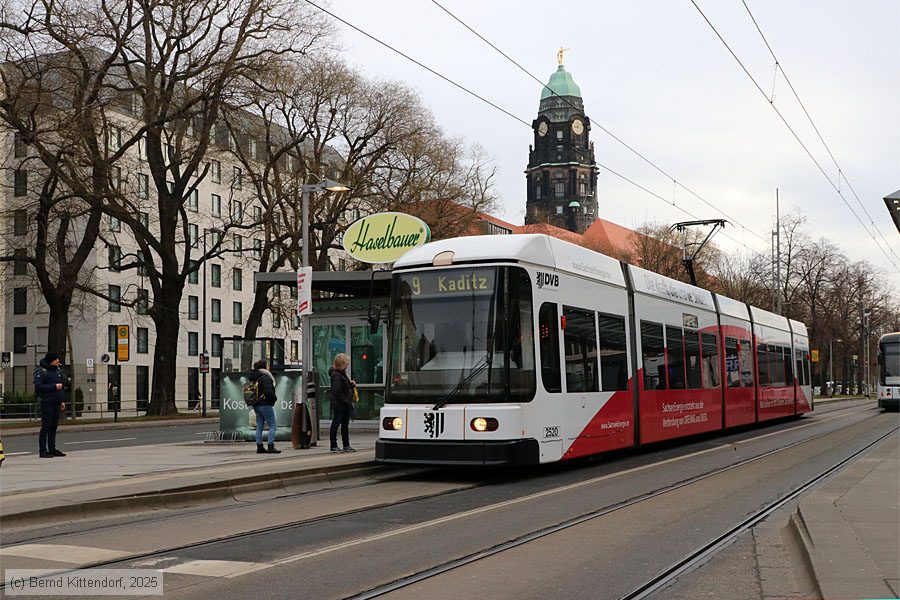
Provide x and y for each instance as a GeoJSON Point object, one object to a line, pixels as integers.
{"type": "Point", "coordinates": [561, 176]}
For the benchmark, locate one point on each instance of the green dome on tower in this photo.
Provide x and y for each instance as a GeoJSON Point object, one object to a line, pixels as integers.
{"type": "Point", "coordinates": [561, 84]}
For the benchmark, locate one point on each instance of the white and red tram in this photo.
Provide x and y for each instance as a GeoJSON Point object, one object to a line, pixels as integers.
{"type": "Point", "coordinates": [524, 349]}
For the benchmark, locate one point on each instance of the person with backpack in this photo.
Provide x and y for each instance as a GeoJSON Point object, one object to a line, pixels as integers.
{"type": "Point", "coordinates": [342, 388]}
{"type": "Point", "coordinates": [50, 387]}
{"type": "Point", "coordinates": [264, 406]}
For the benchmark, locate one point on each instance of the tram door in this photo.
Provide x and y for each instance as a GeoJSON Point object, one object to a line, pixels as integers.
{"type": "Point", "coordinates": [581, 373]}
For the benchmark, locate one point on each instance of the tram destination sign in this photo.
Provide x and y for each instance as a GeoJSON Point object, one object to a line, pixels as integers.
{"type": "Point", "coordinates": [449, 283]}
{"type": "Point", "coordinates": [385, 237]}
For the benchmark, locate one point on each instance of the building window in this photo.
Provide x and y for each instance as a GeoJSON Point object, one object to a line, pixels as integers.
{"type": "Point", "coordinates": [257, 249]}
{"type": "Point", "coordinates": [236, 245]}
{"type": "Point", "coordinates": [20, 301]}
{"type": "Point", "coordinates": [193, 202]}
{"type": "Point", "coordinates": [115, 259]}
{"type": "Point", "coordinates": [216, 205]}
{"type": "Point", "coordinates": [116, 178]}
{"type": "Point", "coordinates": [143, 340]}
{"type": "Point", "coordinates": [20, 340]}
{"type": "Point", "coordinates": [115, 298]}
{"type": "Point", "coordinates": [194, 273]}
{"type": "Point", "coordinates": [276, 320]}
{"type": "Point", "coordinates": [111, 338]}
{"type": "Point", "coordinates": [257, 214]}
{"type": "Point", "coordinates": [193, 308]}
{"type": "Point", "coordinates": [582, 188]}
{"type": "Point", "coordinates": [144, 219]}
{"type": "Point", "coordinates": [560, 188]}
{"type": "Point", "coordinates": [559, 210]}
{"type": "Point", "coordinates": [20, 222]}
{"type": "Point", "coordinates": [237, 280]}
{"type": "Point", "coordinates": [537, 192]}
{"type": "Point", "coordinates": [21, 183]}
{"type": "Point", "coordinates": [237, 311]}
{"type": "Point", "coordinates": [20, 266]}
{"type": "Point", "coordinates": [216, 275]}
{"type": "Point", "coordinates": [21, 148]}
{"type": "Point", "coordinates": [193, 341]}
{"type": "Point", "coordinates": [216, 349]}
{"type": "Point", "coordinates": [142, 265]}
{"type": "Point", "coordinates": [215, 170]}
{"type": "Point", "coordinates": [194, 234]}
{"type": "Point", "coordinates": [216, 309]}
{"type": "Point", "coordinates": [142, 387]}
{"type": "Point", "coordinates": [237, 181]}
{"type": "Point", "coordinates": [137, 105]}
{"type": "Point", "coordinates": [143, 301]}
{"type": "Point", "coordinates": [253, 150]}
{"type": "Point", "coordinates": [237, 211]}
{"type": "Point", "coordinates": [115, 225]}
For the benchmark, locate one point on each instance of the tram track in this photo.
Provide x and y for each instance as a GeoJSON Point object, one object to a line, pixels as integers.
{"type": "Point", "coordinates": [848, 411]}
{"type": "Point", "coordinates": [670, 574]}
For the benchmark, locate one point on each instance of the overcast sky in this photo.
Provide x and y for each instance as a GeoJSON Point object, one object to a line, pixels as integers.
{"type": "Point", "coordinates": [656, 75]}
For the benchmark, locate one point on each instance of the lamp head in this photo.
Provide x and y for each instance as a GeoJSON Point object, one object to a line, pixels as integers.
{"type": "Point", "coordinates": [335, 186]}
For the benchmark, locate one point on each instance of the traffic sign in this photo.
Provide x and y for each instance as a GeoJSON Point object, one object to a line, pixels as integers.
{"type": "Point", "coordinates": [6, 360]}
{"type": "Point", "coordinates": [90, 363]}
{"type": "Point", "coordinates": [204, 362]}
{"type": "Point", "coordinates": [814, 355]}
{"type": "Point", "coordinates": [304, 291]}
{"type": "Point", "coordinates": [122, 339]}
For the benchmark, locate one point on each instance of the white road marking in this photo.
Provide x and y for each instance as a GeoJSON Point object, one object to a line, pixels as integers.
{"type": "Point", "coordinates": [216, 568]}
{"type": "Point", "coordinates": [100, 441]}
{"type": "Point", "coordinates": [17, 453]}
{"type": "Point", "coordinates": [61, 553]}
{"type": "Point", "coordinates": [514, 501]}
{"type": "Point", "coordinates": [765, 435]}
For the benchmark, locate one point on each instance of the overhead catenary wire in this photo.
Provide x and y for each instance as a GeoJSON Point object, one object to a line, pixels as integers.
{"type": "Point", "coordinates": [595, 122]}
{"type": "Point", "coordinates": [793, 132]}
{"type": "Point", "coordinates": [527, 124]}
{"type": "Point", "coordinates": [841, 172]}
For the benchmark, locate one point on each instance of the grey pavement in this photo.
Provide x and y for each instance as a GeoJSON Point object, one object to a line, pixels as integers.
{"type": "Point", "coordinates": [850, 527]}
{"type": "Point", "coordinates": [29, 483]}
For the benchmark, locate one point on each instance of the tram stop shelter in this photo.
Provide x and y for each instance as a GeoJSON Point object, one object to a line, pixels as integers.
{"type": "Point", "coordinates": [340, 323]}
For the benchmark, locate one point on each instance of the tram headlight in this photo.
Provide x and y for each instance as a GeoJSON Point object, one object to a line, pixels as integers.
{"type": "Point", "coordinates": [481, 424]}
{"type": "Point", "coordinates": [392, 423]}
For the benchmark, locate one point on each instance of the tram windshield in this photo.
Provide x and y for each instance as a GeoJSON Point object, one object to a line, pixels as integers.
{"type": "Point", "coordinates": [890, 362]}
{"type": "Point", "coordinates": [462, 336]}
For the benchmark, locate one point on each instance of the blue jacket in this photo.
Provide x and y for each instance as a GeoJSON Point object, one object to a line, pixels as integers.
{"type": "Point", "coordinates": [45, 379]}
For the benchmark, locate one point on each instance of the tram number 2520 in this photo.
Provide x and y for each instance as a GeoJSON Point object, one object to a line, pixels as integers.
{"type": "Point", "coordinates": [551, 432]}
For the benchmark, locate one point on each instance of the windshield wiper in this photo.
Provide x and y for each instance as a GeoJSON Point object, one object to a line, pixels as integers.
{"type": "Point", "coordinates": [481, 366]}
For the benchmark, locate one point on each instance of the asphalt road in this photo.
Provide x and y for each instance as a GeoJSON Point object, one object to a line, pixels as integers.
{"type": "Point", "coordinates": [460, 513]}
{"type": "Point", "coordinates": [73, 441]}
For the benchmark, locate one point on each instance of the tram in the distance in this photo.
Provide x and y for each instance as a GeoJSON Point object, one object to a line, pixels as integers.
{"type": "Point", "coordinates": [889, 371]}
{"type": "Point", "coordinates": [524, 349]}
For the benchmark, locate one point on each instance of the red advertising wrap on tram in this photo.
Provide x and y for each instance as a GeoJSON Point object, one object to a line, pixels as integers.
{"type": "Point", "coordinates": [524, 349]}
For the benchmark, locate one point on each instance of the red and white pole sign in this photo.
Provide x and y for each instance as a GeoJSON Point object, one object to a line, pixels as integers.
{"type": "Point", "coordinates": [304, 291]}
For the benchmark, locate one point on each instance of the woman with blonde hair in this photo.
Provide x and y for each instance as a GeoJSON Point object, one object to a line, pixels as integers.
{"type": "Point", "coordinates": [341, 401]}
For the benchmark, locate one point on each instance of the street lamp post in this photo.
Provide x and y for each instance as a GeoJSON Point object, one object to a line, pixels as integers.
{"type": "Point", "coordinates": [205, 356]}
{"type": "Point", "coordinates": [831, 361]}
{"type": "Point", "coordinates": [326, 185]}
{"type": "Point", "coordinates": [866, 314]}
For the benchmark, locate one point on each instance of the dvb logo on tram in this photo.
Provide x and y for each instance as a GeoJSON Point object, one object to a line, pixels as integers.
{"type": "Point", "coordinates": [548, 279]}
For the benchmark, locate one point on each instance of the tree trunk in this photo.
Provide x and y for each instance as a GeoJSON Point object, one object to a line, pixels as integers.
{"type": "Point", "coordinates": [254, 319]}
{"type": "Point", "coordinates": [58, 325]}
{"type": "Point", "coordinates": [165, 354]}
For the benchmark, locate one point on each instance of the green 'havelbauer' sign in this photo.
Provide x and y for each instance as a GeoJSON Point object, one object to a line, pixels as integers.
{"type": "Point", "coordinates": [385, 237]}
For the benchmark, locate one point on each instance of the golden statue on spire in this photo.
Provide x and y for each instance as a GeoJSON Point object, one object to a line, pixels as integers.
{"type": "Point", "coordinates": [559, 55]}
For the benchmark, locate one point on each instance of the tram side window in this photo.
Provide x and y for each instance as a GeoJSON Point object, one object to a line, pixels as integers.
{"type": "Point", "coordinates": [710, 349]}
{"type": "Point", "coordinates": [762, 357]}
{"type": "Point", "coordinates": [776, 366]}
{"type": "Point", "coordinates": [654, 355]}
{"type": "Point", "coordinates": [732, 363]}
{"type": "Point", "coordinates": [788, 368]}
{"type": "Point", "coordinates": [745, 352]}
{"type": "Point", "coordinates": [692, 358]}
{"type": "Point", "coordinates": [548, 321]}
{"type": "Point", "coordinates": [613, 357]}
{"type": "Point", "coordinates": [675, 356]}
{"type": "Point", "coordinates": [799, 363]}
{"type": "Point", "coordinates": [580, 343]}
{"type": "Point", "coordinates": [806, 369]}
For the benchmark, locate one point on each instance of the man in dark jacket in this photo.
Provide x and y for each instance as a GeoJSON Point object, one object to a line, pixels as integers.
{"type": "Point", "coordinates": [50, 388]}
